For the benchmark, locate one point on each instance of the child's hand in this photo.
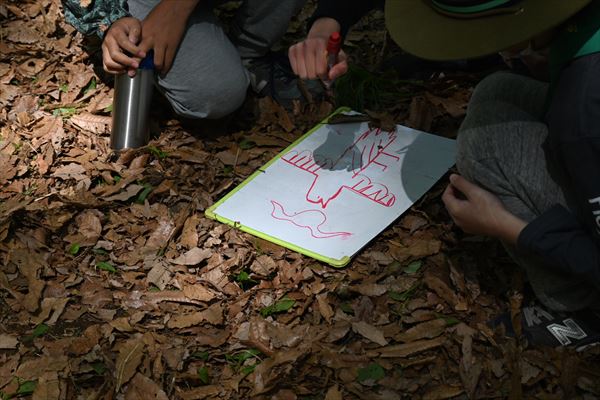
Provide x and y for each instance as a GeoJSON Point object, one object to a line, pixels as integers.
{"type": "Point", "coordinates": [477, 211]}
{"type": "Point", "coordinates": [309, 60]}
{"type": "Point", "coordinates": [163, 30]}
{"type": "Point", "coordinates": [120, 52]}
{"type": "Point", "coordinates": [309, 57]}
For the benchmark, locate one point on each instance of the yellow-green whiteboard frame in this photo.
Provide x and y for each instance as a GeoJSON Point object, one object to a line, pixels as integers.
{"type": "Point", "coordinates": [210, 212]}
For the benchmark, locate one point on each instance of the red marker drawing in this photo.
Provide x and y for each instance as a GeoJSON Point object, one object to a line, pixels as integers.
{"type": "Point", "coordinates": [333, 49]}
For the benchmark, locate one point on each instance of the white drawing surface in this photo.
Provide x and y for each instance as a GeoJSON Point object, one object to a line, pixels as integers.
{"type": "Point", "coordinates": [340, 187]}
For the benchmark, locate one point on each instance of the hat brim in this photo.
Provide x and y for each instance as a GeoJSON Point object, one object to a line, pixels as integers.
{"type": "Point", "coordinates": [420, 30]}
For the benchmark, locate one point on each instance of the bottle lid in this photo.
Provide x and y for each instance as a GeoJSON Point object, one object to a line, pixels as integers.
{"type": "Point", "coordinates": [148, 61]}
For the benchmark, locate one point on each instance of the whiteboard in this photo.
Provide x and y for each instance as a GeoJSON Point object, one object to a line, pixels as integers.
{"type": "Point", "coordinates": [336, 188]}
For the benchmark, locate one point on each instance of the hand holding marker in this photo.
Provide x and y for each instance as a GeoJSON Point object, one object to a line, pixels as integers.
{"type": "Point", "coordinates": [319, 56]}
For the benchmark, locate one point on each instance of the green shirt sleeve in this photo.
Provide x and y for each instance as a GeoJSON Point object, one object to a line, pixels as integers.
{"type": "Point", "coordinates": [96, 17]}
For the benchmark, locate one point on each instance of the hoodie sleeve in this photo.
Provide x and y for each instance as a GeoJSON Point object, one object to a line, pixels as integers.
{"type": "Point", "coordinates": [569, 238]}
{"type": "Point", "coordinates": [95, 16]}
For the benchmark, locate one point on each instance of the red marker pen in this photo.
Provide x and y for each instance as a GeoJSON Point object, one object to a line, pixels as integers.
{"type": "Point", "coordinates": [333, 49]}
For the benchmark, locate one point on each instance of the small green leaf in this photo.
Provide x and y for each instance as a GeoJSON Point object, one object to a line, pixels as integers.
{"type": "Point", "coordinates": [26, 387]}
{"type": "Point", "coordinates": [108, 109]}
{"type": "Point", "coordinates": [99, 368]}
{"type": "Point", "coordinates": [242, 356]}
{"type": "Point", "coordinates": [64, 111]}
{"type": "Point", "coordinates": [248, 369]}
{"type": "Point", "coordinates": [246, 144]}
{"type": "Point", "coordinates": [74, 249]}
{"type": "Point", "coordinates": [39, 330]}
{"type": "Point", "coordinates": [158, 153]}
{"type": "Point", "coordinates": [200, 355]}
{"type": "Point", "coordinates": [64, 88]}
{"type": "Point", "coordinates": [100, 251]}
{"type": "Point", "coordinates": [280, 306]}
{"type": "Point", "coordinates": [141, 198]}
{"type": "Point", "coordinates": [347, 308]}
{"type": "Point", "coordinates": [403, 296]}
{"type": "Point", "coordinates": [413, 267]}
{"type": "Point", "coordinates": [372, 372]}
{"type": "Point", "coordinates": [227, 170]}
{"type": "Point", "coordinates": [450, 321]}
{"type": "Point", "coordinates": [105, 266]}
{"type": "Point", "coordinates": [203, 375]}
{"type": "Point", "coordinates": [90, 86]}
{"type": "Point", "coordinates": [243, 277]}
{"type": "Point", "coordinates": [399, 296]}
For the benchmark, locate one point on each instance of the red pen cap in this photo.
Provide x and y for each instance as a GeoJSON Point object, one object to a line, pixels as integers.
{"type": "Point", "coordinates": [334, 43]}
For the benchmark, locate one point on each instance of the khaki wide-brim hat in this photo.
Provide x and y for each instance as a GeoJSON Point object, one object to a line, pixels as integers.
{"type": "Point", "coordinates": [418, 28]}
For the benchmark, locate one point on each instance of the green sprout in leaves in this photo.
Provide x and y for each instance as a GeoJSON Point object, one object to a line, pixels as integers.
{"type": "Point", "coordinates": [100, 251]}
{"type": "Point", "coordinates": [90, 86]}
{"type": "Point", "coordinates": [413, 267]}
{"type": "Point", "coordinates": [141, 198]}
{"type": "Point", "coordinates": [242, 356]}
{"type": "Point", "coordinates": [158, 153]}
{"type": "Point", "coordinates": [203, 375]}
{"type": "Point", "coordinates": [450, 321]}
{"type": "Point", "coordinates": [64, 88]}
{"type": "Point", "coordinates": [74, 249]}
{"type": "Point", "coordinates": [39, 330]}
{"type": "Point", "coordinates": [280, 306]}
{"type": "Point", "coordinates": [227, 170]}
{"type": "Point", "coordinates": [64, 112]}
{"type": "Point", "coordinates": [26, 388]}
{"type": "Point", "coordinates": [347, 308]}
{"type": "Point", "coordinates": [371, 373]}
{"type": "Point", "coordinates": [403, 296]}
{"type": "Point", "coordinates": [200, 355]}
{"type": "Point", "coordinates": [243, 278]}
{"type": "Point", "coordinates": [99, 368]}
{"type": "Point", "coordinates": [248, 369]}
{"type": "Point", "coordinates": [103, 265]}
{"type": "Point", "coordinates": [236, 361]}
{"type": "Point", "coordinates": [246, 144]}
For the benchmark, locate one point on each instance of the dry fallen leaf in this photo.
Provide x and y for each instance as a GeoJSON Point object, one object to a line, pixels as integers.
{"type": "Point", "coordinates": [193, 257]}
{"type": "Point", "coordinates": [130, 357]}
{"type": "Point", "coordinates": [8, 342]}
{"type": "Point", "coordinates": [370, 332]}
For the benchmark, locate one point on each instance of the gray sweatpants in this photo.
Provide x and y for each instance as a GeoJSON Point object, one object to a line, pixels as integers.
{"type": "Point", "coordinates": [500, 148]}
{"type": "Point", "coordinates": [208, 79]}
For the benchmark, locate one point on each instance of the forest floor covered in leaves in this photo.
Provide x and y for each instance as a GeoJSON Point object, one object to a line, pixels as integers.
{"type": "Point", "coordinates": [113, 283]}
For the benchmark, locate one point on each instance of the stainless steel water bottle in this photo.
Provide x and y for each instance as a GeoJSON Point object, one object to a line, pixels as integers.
{"type": "Point", "coordinates": [131, 107]}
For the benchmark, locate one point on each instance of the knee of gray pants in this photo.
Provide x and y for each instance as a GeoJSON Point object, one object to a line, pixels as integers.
{"type": "Point", "coordinates": [210, 96]}
{"type": "Point", "coordinates": [207, 78]}
{"type": "Point", "coordinates": [491, 87]}
{"type": "Point", "coordinates": [522, 92]}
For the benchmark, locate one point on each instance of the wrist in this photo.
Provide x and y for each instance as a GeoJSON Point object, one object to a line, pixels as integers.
{"type": "Point", "coordinates": [510, 228]}
{"type": "Point", "coordinates": [182, 8]}
{"type": "Point", "coordinates": [323, 27]}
